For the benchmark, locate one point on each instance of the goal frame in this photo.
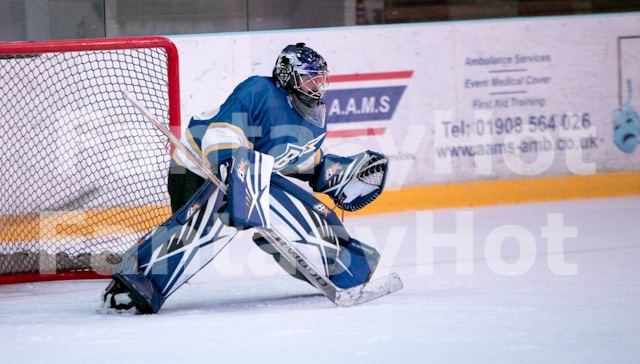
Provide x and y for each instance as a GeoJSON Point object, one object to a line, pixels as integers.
{"type": "Point", "coordinates": [98, 44]}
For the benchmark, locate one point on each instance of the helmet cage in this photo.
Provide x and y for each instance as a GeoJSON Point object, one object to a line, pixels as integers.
{"type": "Point", "coordinates": [311, 84]}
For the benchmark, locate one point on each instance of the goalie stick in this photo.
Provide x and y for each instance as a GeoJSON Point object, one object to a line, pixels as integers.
{"type": "Point", "coordinates": [341, 297]}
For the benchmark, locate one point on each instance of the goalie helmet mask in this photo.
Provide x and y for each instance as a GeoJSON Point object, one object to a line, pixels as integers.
{"type": "Point", "coordinates": [302, 72]}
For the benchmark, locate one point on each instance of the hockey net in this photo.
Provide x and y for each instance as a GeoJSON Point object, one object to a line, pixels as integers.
{"type": "Point", "coordinates": [83, 174]}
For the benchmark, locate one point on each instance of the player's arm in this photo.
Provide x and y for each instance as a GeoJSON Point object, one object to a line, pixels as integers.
{"type": "Point", "coordinates": [215, 137]}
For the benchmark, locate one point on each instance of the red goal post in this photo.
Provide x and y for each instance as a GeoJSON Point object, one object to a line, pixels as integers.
{"type": "Point", "coordinates": [84, 175]}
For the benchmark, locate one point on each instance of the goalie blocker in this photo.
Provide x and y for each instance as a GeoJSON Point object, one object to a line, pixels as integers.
{"type": "Point", "coordinates": [208, 221]}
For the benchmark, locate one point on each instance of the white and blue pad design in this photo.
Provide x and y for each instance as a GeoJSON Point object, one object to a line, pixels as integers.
{"type": "Point", "coordinates": [248, 193]}
{"type": "Point", "coordinates": [318, 233]}
{"type": "Point", "coordinates": [172, 253]}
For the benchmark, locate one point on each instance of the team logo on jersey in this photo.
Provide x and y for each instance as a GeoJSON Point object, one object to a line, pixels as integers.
{"type": "Point", "coordinates": [293, 152]}
{"type": "Point", "coordinates": [369, 106]}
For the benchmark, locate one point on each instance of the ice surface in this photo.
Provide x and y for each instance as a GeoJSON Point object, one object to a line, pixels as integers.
{"type": "Point", "coordinates": [243, 309]}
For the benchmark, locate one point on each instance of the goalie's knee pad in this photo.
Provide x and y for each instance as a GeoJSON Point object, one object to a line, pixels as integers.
{"type": "Point", "coordinates": [249, 181]}
{"type": "Point", "coordinates": [246, 175]}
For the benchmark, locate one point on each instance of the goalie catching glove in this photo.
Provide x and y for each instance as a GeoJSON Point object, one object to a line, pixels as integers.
{"type": "Point", "coordinates": [352, 182]}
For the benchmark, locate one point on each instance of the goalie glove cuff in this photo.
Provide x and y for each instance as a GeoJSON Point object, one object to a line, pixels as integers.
{"type": "Point", "coordinates": [352, 182]}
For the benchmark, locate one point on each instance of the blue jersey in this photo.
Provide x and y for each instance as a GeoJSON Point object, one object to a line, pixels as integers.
{"type": "Point", "coordinates": [261, 116]}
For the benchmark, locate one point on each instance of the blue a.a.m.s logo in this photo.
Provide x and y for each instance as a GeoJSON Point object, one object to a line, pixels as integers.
{"type": "Point", "coordinates": [363, 104]}
{"type": "Point", "coordinates": [366, 105]}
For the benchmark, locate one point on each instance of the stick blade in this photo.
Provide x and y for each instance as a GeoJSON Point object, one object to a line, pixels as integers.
{"type": "Point", "coordinates": [375, 289]}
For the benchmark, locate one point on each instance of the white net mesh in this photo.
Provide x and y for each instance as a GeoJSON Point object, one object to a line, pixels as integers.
{"type": "Point", "coordinates": [83, 174]}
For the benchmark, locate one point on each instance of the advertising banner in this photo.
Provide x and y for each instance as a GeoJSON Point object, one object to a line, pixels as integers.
{"type": "Point", "coordinates": [457, 101]}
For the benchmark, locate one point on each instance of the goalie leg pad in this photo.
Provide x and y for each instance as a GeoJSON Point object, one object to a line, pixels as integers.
{"type": "Point", "coordinates": [248, 192]}
{"type": "Point", "coordinates": [266, 247]}
{"type": "Point", "coordinates": [172, 253]}
{"type": "Point", "coordinates": [360, 261]}
{"type": "Point", "coordinates": [318, 233]}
